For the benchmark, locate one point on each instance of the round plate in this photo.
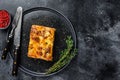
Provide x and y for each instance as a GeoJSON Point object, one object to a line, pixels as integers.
{"type": "Point", "coordinates": [47, 17]}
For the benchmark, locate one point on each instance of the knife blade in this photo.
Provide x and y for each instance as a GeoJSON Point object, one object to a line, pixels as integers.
{"type": "Point", "coordinates": [10, 36]}
{"type": "Point", "coordinates": [17, 35]}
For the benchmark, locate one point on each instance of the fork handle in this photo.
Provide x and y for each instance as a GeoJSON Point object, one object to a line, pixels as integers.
{"type": "Point", "coordinates": [6, 49]}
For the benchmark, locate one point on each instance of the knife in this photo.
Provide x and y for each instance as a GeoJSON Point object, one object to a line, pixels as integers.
{"type": "Point", "coordinates": [10, 36]}
{"type": "Point", "coordinates": [17, 35]}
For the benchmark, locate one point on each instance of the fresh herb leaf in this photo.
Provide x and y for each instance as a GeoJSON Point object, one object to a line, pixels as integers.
{"type": "Point", "coordinates": [65, 57]}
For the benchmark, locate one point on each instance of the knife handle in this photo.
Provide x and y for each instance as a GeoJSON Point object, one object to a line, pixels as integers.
{"type": "Point", "coordinates": [15, 62]}
{"type": "Point", "coordinates": [6, 49]}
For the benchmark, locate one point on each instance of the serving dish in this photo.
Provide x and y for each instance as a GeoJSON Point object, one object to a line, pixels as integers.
{"type": "Point", "coordinates": [47, 17]}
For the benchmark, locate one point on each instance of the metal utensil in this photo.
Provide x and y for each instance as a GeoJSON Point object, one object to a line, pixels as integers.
{"type": "Point", "coordinates": [17, 43]}
{"type": "Point", "coordinates": [10, 36]}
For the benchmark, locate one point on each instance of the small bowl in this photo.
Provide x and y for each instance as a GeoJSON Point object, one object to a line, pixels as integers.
{"type": "Point", "coordinates": [5, 11]}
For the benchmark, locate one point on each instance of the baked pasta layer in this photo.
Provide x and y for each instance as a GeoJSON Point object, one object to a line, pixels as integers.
{"type": "Point", "coordinates": [41, 42]}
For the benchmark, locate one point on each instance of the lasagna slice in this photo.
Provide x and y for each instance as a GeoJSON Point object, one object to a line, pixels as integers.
{"type": "Point", "coordinates": [41, 42]}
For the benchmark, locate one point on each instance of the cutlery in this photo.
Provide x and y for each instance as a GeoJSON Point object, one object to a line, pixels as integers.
{"type": "Point", "coordinates": [17, 35]}
{"type": "Point", "coordinates": [10, 36]}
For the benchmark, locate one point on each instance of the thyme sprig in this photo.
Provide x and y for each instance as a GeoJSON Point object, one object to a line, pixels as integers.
{"type": "Point", "coordinates": [65, 56]}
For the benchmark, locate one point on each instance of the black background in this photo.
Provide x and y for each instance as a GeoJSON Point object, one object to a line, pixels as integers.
{"type": "Point", "coordinates": [97, 25]}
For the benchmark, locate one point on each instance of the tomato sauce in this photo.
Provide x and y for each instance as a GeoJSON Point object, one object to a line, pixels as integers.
{"type": "Point", "coordinates": [4, 19]}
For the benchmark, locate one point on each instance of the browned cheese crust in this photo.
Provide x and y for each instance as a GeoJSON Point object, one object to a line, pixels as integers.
{"type": "Point", "coordinates": [41, 42]}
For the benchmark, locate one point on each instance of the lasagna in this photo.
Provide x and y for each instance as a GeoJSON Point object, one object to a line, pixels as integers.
{"type": "Point", "coordinates": [41, 42]}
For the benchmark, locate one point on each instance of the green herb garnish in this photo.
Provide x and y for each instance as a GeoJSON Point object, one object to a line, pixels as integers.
{"type": "Point", "coordinates": [65, 56]}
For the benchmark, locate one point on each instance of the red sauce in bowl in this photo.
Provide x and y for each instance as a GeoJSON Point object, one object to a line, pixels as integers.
{"type": "Point", "coordinates": [4, 19]}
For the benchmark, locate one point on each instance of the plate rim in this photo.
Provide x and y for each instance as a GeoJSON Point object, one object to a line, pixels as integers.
{"type": "Point", "coordinates": [33, 73]}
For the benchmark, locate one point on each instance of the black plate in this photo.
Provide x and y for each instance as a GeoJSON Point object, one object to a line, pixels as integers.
{"type": "Point", "coordinates": [47, 17]}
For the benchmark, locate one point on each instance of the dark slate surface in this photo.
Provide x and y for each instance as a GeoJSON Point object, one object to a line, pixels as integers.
{"type": "Point", "coordinates": [97, 23]}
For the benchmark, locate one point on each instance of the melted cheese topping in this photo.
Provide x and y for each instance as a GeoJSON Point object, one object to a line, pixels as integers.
{"type": "Point", "coordinates": [41, 42]}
